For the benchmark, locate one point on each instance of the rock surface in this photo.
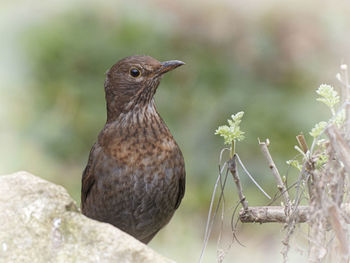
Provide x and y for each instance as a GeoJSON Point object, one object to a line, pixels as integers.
{"type": "Point", "coordinates": [39, 222]}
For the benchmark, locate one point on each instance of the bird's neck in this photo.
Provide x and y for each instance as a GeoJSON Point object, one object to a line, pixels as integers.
{"type": "Point", "coordinates": [137, 115]}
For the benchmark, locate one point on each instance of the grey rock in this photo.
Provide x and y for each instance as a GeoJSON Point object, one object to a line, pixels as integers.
{"type": "Point", "coordinates": [39, 222]}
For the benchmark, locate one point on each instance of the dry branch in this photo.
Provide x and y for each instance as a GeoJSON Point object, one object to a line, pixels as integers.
{"type": "Point", "coordinates": [232, 166]}
{"type": "Point", "coordinates": [345, 91]}
{"type": "Point", "coordinates": [275, 214]}
{"type": "Point", "coordinates": [302, 142]}
{"type": "Point", "coordinates": [325, 170]}
{"type": "Point", "coordinates": [280, 185]}
{"type": "Point", "coordinates": [271, 214]}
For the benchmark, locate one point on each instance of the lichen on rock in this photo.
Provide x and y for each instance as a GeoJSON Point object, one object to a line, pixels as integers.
{"type": "Point", "coordinates": [40, 222]}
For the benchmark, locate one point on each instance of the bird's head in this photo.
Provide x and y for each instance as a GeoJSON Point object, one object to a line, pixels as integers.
{"type": "Point", "coordinates": [133, 81]}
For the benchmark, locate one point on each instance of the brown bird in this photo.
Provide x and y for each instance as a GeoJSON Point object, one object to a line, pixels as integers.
{"type": "Point", "coordinates": [135, 176]}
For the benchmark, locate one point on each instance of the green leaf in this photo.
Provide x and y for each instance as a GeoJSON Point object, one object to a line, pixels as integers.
{"type": "Point", "coordinates": [318, 129]}
{"type": "Point", "coordinates": [340, 118]}
{"type": "Point", "coordinates": [328, 96]}
{"type": "Point", "coordinates": [232, 132]}
{"type": "Point", "coordinates": [321, 160]}
{"type": "Point", "coordinates": [295, 164]}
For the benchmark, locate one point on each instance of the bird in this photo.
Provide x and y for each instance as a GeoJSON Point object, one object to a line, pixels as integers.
{"type": "Point", "coordinates": [135, 175]}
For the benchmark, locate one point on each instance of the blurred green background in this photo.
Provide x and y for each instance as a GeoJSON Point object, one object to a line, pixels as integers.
{"type": "Point", "coordinates": [265, 58]}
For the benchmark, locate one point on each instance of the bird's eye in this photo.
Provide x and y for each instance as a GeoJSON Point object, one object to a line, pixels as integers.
{"type": "Point", "coordinates": [134, 72]}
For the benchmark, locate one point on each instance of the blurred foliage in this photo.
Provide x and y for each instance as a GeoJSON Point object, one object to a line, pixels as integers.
{"type": "Point", "coordinates": [264, 59]}
{"type": "Point", "coordinates": [69, 55]}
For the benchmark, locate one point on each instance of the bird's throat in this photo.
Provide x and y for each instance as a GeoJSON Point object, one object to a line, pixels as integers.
{"type": "Point", "coordinates": [138, 116]}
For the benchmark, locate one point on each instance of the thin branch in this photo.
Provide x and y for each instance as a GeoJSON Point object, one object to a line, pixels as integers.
{"type": "Point", "coordinates": [210, 220]}
{"type": "Point", "coordinates": [302, 142]}
{"type": "Point", "coordinates": [279, 194]}
{"type": "Point", "coordinates": [345, 78]}
{"type": "Point", "coordinates": [232, 166]}
{"type": "Point", "coordinates": [251, 177]}
{"type": "Point", "coordinates": [280, 185]}
{"type": "Point", "coordinates": [221, 255]}
{"type": "Point", "coordinates": [234, 226]}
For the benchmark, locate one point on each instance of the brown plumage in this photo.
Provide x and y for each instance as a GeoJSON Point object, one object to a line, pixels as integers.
{"type": "Point", "coordinates": [135, 176]}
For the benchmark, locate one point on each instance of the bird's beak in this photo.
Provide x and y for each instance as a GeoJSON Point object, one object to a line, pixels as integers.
{"type": "Point", "coordinates": [169, 65]}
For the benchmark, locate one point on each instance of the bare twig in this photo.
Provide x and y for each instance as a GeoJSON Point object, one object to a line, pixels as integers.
{"type": "Point", "coordinates": [326, 165]}
{"type": "Point", "coordinates": [275, 214]}
{"type": "Point", "coordinates": [210, 220]}
{"type": "Point", "coordinates": [251, 177]}
{"type": "Point", "coordinates": [232, 166]}
{"type": "Point", "coordinates": [345, 92]}
{"type": "Point", "coordinates": [234, 225]}
{"type": "Point", "coordinates": [302, 142]}
{"type": "Point", "coordinates": [280, 185]}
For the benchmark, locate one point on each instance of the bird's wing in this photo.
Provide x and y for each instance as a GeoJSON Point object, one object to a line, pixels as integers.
{"type": "Point", "coordinates": [181, 192]}
{"type": "Point", "coordinates": [88, 178]}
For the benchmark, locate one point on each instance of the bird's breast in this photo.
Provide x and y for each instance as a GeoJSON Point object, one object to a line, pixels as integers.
{"type": "Point", "coordinates": [143, 140]}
